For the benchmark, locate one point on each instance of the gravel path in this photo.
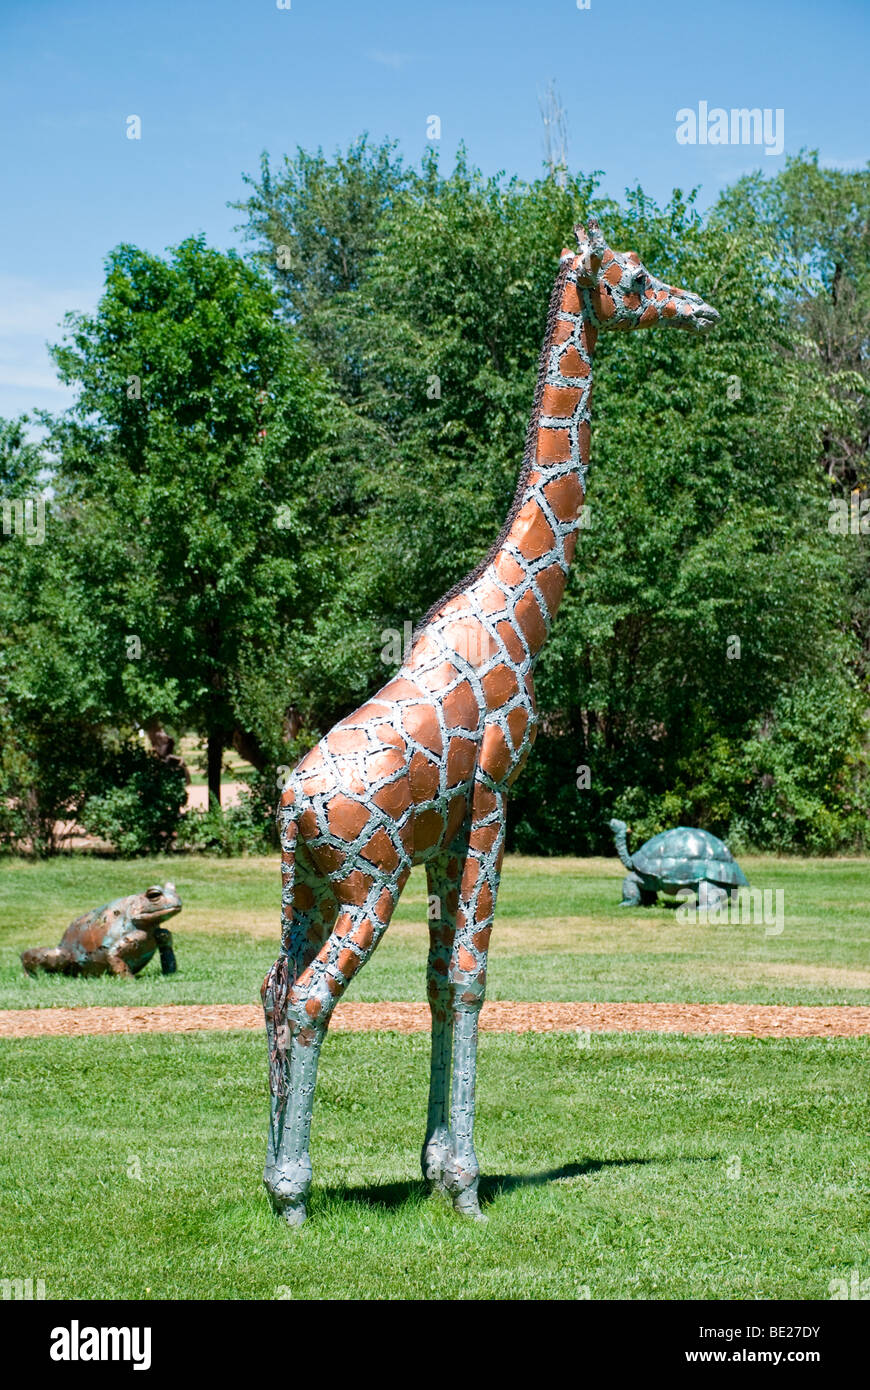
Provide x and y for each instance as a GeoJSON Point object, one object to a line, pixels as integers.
{"type": "Point", "coordinates": [741, 1020]}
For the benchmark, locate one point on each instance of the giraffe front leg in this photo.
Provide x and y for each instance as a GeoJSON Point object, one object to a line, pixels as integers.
{"type": "Point", "coordinates": [288, 1171]}
{"type": "Point", "coordinates": [443, 877]}
{"type": "Point", "coordinates": [306, 919]}
{"type": "Point", "coordinates": [478, 891]}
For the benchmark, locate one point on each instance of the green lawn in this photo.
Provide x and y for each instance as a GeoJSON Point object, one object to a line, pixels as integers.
{"type": "Point", "coordinates": [638, 1167]}
{"type": "Point", "coordinates": [559, 934]}
{"type": "Point", "coordinates": [193, 751]}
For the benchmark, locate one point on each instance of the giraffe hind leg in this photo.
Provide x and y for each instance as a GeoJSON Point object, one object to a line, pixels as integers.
{"type": "Point", "coordinates": [298, 1011]}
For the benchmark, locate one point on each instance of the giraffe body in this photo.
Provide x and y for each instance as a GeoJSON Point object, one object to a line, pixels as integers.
{"type": "Point", "coordinates": [419, 774]}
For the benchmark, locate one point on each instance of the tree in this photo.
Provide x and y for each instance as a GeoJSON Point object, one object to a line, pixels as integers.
{"type": "Point", "coordinates": [816, 223]}
{"type": "Point", "coordinates": [51, 695]}
{"type": "Point", "coordinates": [315, 226]}
{"type": "Point", "coordinates": [184, 471]}
{"type": "Point", "coordinates": [708, 510]}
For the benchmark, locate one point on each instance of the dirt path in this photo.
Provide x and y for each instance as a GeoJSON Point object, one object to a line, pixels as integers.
{"type": "Point", "coordinates": [197, 797]}
{"type": "Point", "coordinates": [741, 1020]}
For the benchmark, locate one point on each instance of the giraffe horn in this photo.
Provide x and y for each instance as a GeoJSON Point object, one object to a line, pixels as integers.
{"type": "Point", "coordinates": [596, 239]}
{"type": "Point", "coordinates": [590, 245]}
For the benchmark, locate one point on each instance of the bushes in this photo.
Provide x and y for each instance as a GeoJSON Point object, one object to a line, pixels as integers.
{"type": "Point", "coordinates": [139, 807]}
{"type": "Point", "coordinates": [47, 767]}
{"type": "Point", "coordinates": [105, 782]}
{"type": "Point", "coordinates": [241, 829]}
{"type": "Point", "coordinates": [798, 783]}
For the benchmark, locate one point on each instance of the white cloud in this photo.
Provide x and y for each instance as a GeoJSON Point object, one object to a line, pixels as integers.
{"type": "Point", "coordinates": [32, 308]}
{"type": "Point", "coordinates": [28, 376]}
{"type": "Point", "coordinates": [388, 60]}
{"type": "Point", "coordinates": [31, 315]}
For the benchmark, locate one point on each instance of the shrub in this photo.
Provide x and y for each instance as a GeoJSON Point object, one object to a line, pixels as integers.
{"type": "Point", "coordinates": [230, 830]}
{"type": "Point", "coordinates": [139, 805]}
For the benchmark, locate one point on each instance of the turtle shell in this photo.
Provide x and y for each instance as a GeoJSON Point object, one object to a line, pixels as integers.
{"type": "Point", "coordinates": [684, 855]}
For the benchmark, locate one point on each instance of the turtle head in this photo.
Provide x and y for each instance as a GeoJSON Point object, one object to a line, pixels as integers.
{"type": "Point", "coordinates": [619, 829]}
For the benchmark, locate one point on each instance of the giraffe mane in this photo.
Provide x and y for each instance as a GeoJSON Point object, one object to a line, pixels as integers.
{"type": "Point", "coordinates": [528, 458]}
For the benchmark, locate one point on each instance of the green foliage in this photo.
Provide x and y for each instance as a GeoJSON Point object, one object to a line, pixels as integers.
{"type": "Point", "coordinates": [21, 462]}
{"type": "Point", "coordinates": [247, 827]}
{"type": "Point", "coordinates": [815, 223]}
{"type": "Point", "coordinates": [138, 806]}
{"type": "Point", "coordinates": [184, 477]}
{"type": "Point", "coordinates": [261, 481]}
{"type": "Point", "coordinates": [708, 505]}
{"type": "Point", "coordinates": [315, 226]}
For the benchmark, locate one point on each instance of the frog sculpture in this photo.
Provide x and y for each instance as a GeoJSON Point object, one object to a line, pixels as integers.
{"type": "Point", "coordinates": [120, 938]}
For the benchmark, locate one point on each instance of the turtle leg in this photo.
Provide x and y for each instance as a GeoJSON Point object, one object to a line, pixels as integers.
{"type": "Point", "coordinates": [632, 891]}
{"type": "Point", "coordinates": [710, 895]}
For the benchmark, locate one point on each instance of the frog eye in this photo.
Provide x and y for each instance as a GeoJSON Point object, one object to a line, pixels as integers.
{"type": "Point", "coordinates": [153, 894]}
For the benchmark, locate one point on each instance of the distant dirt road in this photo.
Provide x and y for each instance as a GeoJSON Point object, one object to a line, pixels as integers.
{"type": "Point", "coordinates": [197, 797]}
{"type": "Point", "coordinates": [739, 1020]}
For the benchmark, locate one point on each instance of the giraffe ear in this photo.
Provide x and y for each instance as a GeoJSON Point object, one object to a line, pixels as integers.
{"type": "Point", "coordinates": [590, 248]}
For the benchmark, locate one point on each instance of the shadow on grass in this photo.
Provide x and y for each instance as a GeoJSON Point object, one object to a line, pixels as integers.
{"type": "Point", "coordinates": [397, 1194]}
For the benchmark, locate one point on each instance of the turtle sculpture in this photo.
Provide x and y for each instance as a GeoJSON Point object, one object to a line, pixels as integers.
{"type": "Point", "coordinates": [678, 860]}
{"type": "Point", "coordinates": [119, 938]}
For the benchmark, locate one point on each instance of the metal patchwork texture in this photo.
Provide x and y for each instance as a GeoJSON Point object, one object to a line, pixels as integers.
{"type": "Point", "coordinates": [420, 773]}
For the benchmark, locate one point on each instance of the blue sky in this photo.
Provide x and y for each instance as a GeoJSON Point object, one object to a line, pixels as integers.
{"type": "Point", "coordinates": [217, 81]}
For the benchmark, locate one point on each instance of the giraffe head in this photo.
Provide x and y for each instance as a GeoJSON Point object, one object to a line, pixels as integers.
{"type": "Point", "coordinates": [622, 293]}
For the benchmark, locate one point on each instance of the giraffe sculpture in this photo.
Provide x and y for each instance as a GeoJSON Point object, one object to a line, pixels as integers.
{"type": "Point", "coordinates": [420, 773]}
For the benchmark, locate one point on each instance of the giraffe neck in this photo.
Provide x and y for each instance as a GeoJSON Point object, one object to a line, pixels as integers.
{"type": "Point", "coordinates": [535, 553]}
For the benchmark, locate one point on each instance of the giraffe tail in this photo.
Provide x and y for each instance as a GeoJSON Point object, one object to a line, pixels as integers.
{"type": "Point", "coordinates": [276, 986]}
{"type": "Point", "coordinates": [288, 827]}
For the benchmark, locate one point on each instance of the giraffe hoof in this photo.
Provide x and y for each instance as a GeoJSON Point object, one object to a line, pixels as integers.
{"type": "Point", "coordinates": [467, 1205]}
{"type": "Point", "coordinates": [291, 1209]}
{"type": "Point", "coordinates": [288, 1190]}
{"type": "Point", "coordinates": [295, 1215]}
{"type": "Point", "coordinates": [434, 1159]}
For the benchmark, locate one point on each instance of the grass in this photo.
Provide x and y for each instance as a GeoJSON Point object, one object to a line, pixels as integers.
{"type": "Point", "coordinates": [640, 1167]}
{"type": "Point", "coordinates": [559, 934]}
{"type": "Point", "coordinates": [193, 751]}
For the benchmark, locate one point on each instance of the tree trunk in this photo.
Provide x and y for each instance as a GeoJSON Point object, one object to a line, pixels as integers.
{"type": "Point", "coordinates": [215, 759]}
{"type": "Point", "coordinates": [247, 745]}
